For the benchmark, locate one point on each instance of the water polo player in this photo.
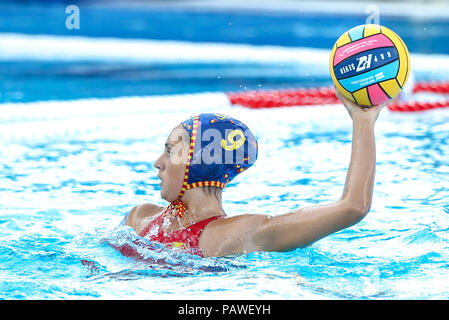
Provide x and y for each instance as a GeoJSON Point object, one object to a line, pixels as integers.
{"type": "Point", "coordinates": [205, 152]}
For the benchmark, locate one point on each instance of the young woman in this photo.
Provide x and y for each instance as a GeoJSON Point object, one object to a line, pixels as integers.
{"type": "Point", "coordinates": [205, 152]}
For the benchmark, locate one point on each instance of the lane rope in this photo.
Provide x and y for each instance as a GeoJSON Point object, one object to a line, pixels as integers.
{"type": "Point", "coordinates": [326, 95]}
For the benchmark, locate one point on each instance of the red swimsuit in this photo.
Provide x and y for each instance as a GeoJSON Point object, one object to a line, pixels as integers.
{"type": "Point", "coordinates": [185, 238]}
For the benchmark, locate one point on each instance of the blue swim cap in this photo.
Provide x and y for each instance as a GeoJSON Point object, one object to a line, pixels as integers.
{"type": "Point", "coordinates": [220, 148]}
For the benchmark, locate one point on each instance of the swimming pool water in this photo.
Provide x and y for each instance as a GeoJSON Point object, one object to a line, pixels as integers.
{"type": "Point", "coordinates": [80, 131]}
{"type": "Point", "coordinates": [33, 77]}
{"type": "Point", "coordinates": [66, 189]}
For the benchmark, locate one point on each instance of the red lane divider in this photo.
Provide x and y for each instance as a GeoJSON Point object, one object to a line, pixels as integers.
{"type": "Point", "coordinates": [283, 98]}
{"type": "Point", "coordinates": [412, 106]}
{"type": "Point", "coordinates": [434, 87]}
{"type": "Point", "coordinates": [326, 95]}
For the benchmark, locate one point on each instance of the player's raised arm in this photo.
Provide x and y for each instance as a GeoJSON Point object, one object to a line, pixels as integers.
{"type": "Point", "coordinates": [304, 226]}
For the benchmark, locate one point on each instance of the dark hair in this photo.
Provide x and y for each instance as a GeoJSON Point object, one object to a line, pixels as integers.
{"type": "Point", "coordinates": [211, 190]}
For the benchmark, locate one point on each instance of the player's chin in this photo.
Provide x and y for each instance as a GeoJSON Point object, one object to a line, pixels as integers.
{"type": "Point", "coordinates": [167, 195]}
{"type": "Point", "coordinates": [163, 192]}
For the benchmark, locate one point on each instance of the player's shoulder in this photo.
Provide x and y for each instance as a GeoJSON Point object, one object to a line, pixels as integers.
{"type": "Point", "coordinates": [231, 235]}
{"type": "Point", "coordinates": [147, 209]}
{"type": "Point", "coordinates": [139, 216]}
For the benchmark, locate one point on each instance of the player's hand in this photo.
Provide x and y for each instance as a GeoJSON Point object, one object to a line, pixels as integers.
{"type": "Point", "coordinates": [355, 110]}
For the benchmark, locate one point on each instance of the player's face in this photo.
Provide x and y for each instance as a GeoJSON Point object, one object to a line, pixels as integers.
{"type": "Point", "coordinates": [172, 163]}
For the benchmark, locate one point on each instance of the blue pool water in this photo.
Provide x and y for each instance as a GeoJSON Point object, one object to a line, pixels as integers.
{"type": "Point", "coordinates": [80, 136]}
{"type": "Point", "coordinates": [32, 79]}
{"type": "Point", "coordinates": [66, 189]}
